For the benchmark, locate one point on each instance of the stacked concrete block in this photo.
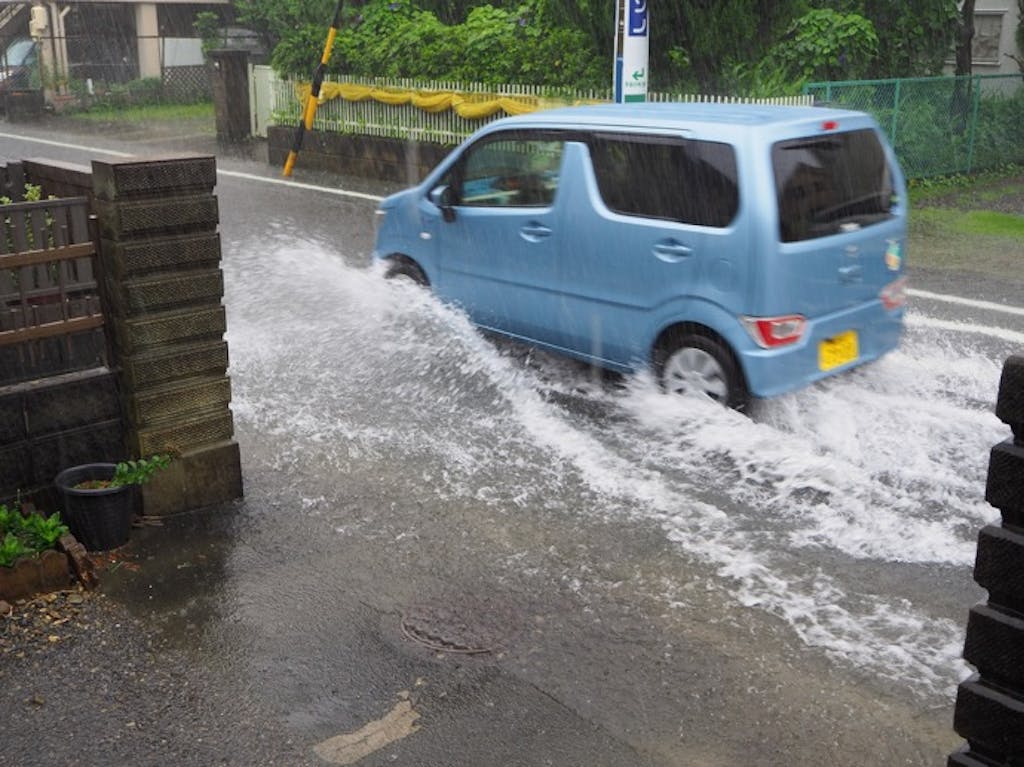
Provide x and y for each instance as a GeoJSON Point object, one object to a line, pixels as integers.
{"type": "Point", "coordinates": [54, 422]}
{"type": "Point", "coordinates": [164, 288]}
{"type": "Point", "coordinates": [990, 704]}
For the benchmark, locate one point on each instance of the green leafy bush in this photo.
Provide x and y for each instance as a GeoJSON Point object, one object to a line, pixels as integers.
{"type": "Point", "coordinates": [27, 534]}
{"type": "Point", "coordinates": [826, 45]}
{"type": "Point", "coordinates": [12, 548]}
{"type": "Point", "coordinates": [33, 193]}
{"type": "Point", "coordinates": [140, 471]}
{"type": "Point", "coordinates": [494, 45]}
{"type": "Point", "coordinates": [129, 473]}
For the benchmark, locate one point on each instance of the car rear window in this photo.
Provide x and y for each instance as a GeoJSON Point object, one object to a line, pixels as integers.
{"type": "Point", "coordinates": [832, 183]}
{"type": "Point", "coordinates": [667, 177]}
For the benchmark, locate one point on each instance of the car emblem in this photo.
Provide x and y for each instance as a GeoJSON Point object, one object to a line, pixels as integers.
{"type": "Point", "coordinates": [893, 259]}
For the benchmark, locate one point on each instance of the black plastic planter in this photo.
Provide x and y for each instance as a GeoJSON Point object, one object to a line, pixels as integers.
{"type": "Point", "coordinates": [101, 518]}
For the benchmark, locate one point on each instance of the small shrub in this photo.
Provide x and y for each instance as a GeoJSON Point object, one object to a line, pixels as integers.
{"type": "Point", "coordinates": [140, 471]}
{"type": "Point", "coordinates": [129, 473]}
{"type": "Point", "coordinates": [26, 534]}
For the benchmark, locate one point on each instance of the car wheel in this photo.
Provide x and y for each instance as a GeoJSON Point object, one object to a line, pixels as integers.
{"type": "Point", "coordinates": [697, 364]}
{"type": "Point", "coordinates": [405, 269]}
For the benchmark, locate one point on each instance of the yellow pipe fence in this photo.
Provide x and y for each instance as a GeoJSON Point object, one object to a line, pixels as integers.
{"type": "Point", "coordinates": [472, 106]}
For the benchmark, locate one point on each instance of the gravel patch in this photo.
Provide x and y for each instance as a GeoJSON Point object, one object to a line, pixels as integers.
{"type": "Point", "coordinates": [82, 682]}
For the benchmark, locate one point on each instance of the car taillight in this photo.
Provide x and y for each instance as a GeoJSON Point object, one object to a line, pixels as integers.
{"type": "Point", "coordinates": [894, 295]}
{"type": "Point", "coordinates": [770, 332]}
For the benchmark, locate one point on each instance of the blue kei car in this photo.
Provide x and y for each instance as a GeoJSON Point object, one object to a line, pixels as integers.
{"type": "Point", "coordinates": [735, 250]}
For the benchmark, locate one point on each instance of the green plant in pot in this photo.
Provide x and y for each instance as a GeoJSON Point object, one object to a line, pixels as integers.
{"type": "Point", "coordinates": [99, 499]}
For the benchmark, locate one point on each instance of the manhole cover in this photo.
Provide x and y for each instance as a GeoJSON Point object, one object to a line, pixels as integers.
{"type": "Point", "coordinates": [463, 625]}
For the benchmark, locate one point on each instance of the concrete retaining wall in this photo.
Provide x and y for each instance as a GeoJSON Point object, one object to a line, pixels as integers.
{"type": "Point", "coordinates": [388, 159]}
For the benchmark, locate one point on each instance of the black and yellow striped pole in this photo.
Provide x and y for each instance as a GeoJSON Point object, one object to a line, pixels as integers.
{"type": "Point", "coordinates": [309, 111]}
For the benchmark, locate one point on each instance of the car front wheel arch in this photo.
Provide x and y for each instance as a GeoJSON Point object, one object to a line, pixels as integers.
{"type": "Point", "coordinates": [401, 266]}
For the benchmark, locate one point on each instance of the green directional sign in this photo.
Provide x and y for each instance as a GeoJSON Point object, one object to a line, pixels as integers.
{"type": "Point", "coordinates": [632, 25]}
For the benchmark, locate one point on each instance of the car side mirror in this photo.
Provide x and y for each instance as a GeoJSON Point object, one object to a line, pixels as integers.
{"type": "Point", "coordinates": [444, 198]}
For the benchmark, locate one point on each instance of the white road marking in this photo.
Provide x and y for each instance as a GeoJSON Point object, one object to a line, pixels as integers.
{"type": "Point", "coordinates": [299, 185]}
{"type": "Point", "coordinates": [220, 171]}
{"type": "Point", "coordinates": [973, 303]}
{"type": "Point", "coordinates": [65, 145]}
{"type": "Point", "coordinates": [1005, 334]}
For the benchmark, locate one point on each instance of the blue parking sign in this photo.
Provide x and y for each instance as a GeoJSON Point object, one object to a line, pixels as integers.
{"type": "Point", "coordinates": [637, 26]}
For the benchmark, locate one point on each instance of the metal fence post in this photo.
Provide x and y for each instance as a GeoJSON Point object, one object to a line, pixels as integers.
{"type": "Point", "coordinates": [975, 103]}
{"type": "Point", "coordinates": [895, 113]}
{"type": "Point", "coordinates": [989, 710]}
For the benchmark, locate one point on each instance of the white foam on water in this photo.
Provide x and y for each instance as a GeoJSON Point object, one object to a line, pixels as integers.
{"type": "Point", "coordinates": [884, 464]}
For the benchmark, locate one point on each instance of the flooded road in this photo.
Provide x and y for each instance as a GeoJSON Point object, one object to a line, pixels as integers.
{"type": "Point", "coordinates": [650, 580]}
{"type": "Point", "coordinates": [834, 510]}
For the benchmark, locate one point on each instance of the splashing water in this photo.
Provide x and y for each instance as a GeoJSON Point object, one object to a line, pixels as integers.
{"type": "Point", "coordinates": [882, 467]}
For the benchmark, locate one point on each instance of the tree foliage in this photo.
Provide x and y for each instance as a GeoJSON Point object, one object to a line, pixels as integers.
{"type": "Point", "coordinates": [915, 37]}
{"type": "Point", "coordinates": [715, 46]}
{"type": "Point", "coordinates": [824, 44]}
{"type": "Point", "coordinates": [702, 42]}
{"type": "Point", "coordinates": [395, 38]}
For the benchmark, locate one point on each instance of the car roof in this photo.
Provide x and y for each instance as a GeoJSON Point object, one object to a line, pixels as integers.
{"type": "Point", "coordinates": [669, 115]}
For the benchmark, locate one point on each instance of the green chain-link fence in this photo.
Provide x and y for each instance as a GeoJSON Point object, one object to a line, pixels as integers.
{"type": "Point", "coordinates": [940, 125]}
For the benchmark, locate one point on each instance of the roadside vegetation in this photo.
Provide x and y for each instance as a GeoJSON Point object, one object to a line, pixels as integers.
{"type": "Point", "coordinates": [142, 113]}
{"type": "Point", "coordinates": [736, 47]}
{"type": "Point", "coordinates": [969, 223]}
{"type": "Point", "coordinates": [25, 535]}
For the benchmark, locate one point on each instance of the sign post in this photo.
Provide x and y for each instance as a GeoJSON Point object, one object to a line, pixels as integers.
{"type": "Point", "coordinates": [631, 51]}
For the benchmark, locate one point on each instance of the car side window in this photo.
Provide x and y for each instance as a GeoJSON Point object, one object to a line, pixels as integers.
{"type": "Point", "coordinates": [667, 177]}
{"type": "Point", "coordinates": [517, 170]}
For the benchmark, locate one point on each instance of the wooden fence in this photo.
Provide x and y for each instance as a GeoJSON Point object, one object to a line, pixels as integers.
{"type": "Point", "coordinates": [48, 289]}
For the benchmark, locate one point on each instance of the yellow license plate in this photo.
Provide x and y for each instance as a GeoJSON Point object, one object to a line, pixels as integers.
{"type": "Point", "coordinates": [838, 350]}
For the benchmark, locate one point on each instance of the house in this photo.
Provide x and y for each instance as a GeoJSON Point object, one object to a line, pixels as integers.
{"type": "Point", "coordinates": [996, 49]}
{"type": "Point", "coordinates": [104, 42]}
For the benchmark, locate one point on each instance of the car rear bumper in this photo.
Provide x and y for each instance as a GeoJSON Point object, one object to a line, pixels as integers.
{"type": "Point", "coordinates": [771, 372]}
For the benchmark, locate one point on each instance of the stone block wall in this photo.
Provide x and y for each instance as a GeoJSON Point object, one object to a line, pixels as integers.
{"type": "Point", "coordinates": [163, 286]}
{"type": "Point", "coordinates": [159, 382]}
{"type": "Point", "coordinates": [49, 424]}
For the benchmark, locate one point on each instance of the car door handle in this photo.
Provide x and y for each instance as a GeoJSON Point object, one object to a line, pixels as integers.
{"type": "Point", "coordinates": [672, 252]}
{"type": "Point", "coordinates": [534, 232]}
{"type": "Point", "coordinates": [852, 273]}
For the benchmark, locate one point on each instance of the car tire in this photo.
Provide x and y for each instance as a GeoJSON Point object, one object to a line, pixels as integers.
{"type": "Point", "coordinates": [404, 268]}
{"type": "Point", "coordinates": [692, 363]}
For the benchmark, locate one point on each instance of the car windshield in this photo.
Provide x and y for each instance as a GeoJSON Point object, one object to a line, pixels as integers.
{"type": "Point", "coordinates": [18, 53]}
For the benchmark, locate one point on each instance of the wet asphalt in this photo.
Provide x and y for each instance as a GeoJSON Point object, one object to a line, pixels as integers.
{"type": "Point", "coordinates": [216, 639]}
{"type": "Point", "coordinates": [243, 635]}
